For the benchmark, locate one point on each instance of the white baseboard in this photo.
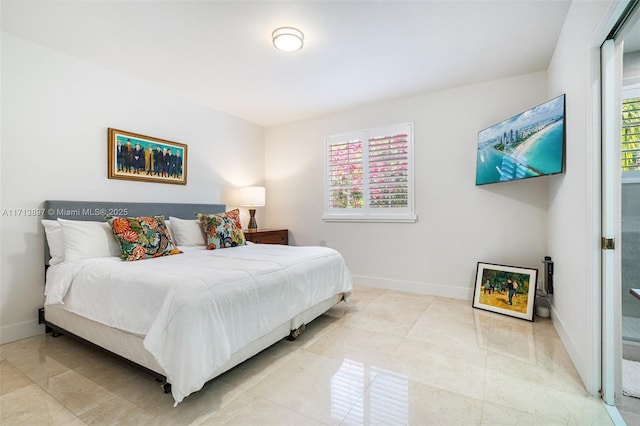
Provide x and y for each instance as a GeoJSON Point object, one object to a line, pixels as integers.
{"type": "Point", "coordinates": [414, 287]}
{"type": "Point", "coordinates": [571, 348]}
{"type": "Point", "coordinates": [20, 331]}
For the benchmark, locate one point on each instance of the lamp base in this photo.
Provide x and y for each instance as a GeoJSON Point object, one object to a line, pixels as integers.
{"type": "Point", "coordinates": [253, 225]}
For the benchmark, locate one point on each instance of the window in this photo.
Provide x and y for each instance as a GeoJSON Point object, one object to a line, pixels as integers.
{"type": "Point", "coordinates": [369, 175]}
{"type": "Point", "coordinates": [630, 137]}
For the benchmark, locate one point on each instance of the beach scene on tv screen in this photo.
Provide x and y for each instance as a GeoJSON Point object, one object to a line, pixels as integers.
{"type": "Point", "coordinates": [527, 145]}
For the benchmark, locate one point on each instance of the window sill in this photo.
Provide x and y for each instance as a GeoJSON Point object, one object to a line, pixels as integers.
{"type": "Point", "coordinates": [359, 218]}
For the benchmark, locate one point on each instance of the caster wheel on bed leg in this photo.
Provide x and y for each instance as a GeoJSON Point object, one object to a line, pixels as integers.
{"type": "Point", "coordinates": [296, 333]}
{"type": "Point", "coordinates": [166, 387]}
{"type": "Point", "coordinates": [55, 334]}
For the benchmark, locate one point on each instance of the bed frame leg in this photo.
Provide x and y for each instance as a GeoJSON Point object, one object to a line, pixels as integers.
{"type": "Point", "coordinates": [166, 387]}
{"type": "Point", "coordinates": [296, 333]}
{"type": "Point", "coordinates": [47, 329]}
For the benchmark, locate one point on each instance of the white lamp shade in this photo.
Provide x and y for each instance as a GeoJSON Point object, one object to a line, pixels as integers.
{"type": "Point", "coordinates": [252, 196]}
{"type": "Point", "coordinates": [287, 39]}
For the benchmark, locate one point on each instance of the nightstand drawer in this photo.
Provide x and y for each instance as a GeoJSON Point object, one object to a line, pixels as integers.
{"type": "Point", "coordinates": [268, 236]}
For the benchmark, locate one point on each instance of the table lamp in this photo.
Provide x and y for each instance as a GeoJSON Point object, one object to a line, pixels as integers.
{"type": "Point", "coordinates": [252, 196]}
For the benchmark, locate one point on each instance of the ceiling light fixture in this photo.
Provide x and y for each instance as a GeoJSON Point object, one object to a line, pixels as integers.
{"type": "Point", "coordinates": [287, 39]}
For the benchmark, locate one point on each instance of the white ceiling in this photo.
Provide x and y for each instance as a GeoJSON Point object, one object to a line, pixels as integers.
{"type": "Point", "coordinates": [219, 53]}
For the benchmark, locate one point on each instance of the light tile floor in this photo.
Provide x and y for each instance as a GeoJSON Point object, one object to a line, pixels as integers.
{"type": "Point", "coordinates": [631, 328]}
{"type": "Point", "coordinates": [386, 358]}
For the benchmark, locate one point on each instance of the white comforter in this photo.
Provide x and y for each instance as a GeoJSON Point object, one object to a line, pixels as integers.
{"type": "Point", "coordinates": [199, 307]}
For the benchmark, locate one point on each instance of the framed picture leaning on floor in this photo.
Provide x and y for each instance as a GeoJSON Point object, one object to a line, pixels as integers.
{"type": "Point", "coordinates": [507, 290]}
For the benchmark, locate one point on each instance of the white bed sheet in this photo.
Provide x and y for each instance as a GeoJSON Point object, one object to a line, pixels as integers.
{"type": "Point", "coordinates": [212, 302]}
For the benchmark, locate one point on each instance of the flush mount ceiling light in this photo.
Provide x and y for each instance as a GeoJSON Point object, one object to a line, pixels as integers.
{"type": "Point", "coordinates": [287, 39]}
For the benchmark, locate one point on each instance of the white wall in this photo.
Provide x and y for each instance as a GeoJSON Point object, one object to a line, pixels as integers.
{"type": "Point", "coordinates": [459, 224]}
{"type": "Point", "coordinates": [573, 198]}
{"type": "Point", "coordinates": [55, 115]}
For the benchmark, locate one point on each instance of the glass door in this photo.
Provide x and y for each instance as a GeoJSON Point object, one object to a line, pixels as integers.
{"type": "Point", "coordinates": [620, 91]}
{"type": "Point", "coordinates": [630, 217]}
{"type": "Point", "coordinates": [621, 213]}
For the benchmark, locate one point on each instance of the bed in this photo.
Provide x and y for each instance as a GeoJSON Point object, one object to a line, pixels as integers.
{"type": "Point", "coordinates": [185, 318]}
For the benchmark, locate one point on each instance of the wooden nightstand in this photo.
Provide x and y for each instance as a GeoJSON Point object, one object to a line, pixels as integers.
{"type": "Point", "coordinates": [268, 236]}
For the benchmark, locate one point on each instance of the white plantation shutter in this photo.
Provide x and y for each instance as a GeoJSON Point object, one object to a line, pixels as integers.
{"type": "Point", "coordinates": [345, 173]}
{"type": "Point", "coordinates": [389, 171]}
{"type": "Point", "coordinates": [369, 175]}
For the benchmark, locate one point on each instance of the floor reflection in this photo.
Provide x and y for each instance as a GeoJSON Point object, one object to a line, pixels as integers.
{"type": "Point", "coordinates": [506, 337]}
{"type": "Point", "coordinates": [387, 399]}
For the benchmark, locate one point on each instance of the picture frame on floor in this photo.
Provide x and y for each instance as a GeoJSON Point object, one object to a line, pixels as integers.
{"type": "Point", "coordinates": [132, 156]}
{"type": "Point", "coordinates": [507, 290]}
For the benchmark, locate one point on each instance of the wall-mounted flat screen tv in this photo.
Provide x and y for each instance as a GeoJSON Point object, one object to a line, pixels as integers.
{"type": "Point", "coordinates": [527, 145]}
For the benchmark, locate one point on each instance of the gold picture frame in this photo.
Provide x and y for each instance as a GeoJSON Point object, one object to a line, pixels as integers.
{"type": "Point", "coordinates": [132, 156]}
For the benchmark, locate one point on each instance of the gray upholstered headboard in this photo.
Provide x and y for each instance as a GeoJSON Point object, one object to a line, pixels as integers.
{"type": "Point", "coordinates": [96, 210]}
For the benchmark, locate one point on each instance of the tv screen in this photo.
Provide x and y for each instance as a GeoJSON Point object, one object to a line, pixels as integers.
{"type": "Point", "coordinates": [527, 145]}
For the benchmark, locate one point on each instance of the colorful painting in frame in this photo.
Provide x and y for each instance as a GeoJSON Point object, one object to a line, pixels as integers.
{"type": "Point", "coordinates": [507, 290]}
{"type": "Point", "coordinates": [132, 156]}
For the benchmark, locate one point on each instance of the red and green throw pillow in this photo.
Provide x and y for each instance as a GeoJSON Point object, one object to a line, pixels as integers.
{"type": "Point", "coordinates": [142, 237]}
{"type": "Point", "coordinates": [222, 230]}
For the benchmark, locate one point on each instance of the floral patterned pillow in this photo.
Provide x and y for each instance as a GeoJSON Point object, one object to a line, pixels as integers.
{"type": "Point", "coordinates": [222, 230]}
{"type": "Point", "coordinates": [142, 237]}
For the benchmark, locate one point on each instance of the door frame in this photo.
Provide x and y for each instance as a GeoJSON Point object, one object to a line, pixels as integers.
{"type": "Point", "coordinates": [620, 22]}
{"type": "Point", "coordinates": [612, 62]}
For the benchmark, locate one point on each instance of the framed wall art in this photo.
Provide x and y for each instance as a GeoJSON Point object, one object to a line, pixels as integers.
{"type": "Point", "coordinates": [527, 145]}
{"type": "Point", "coordinates": [132, 156]}
{"type": "Point", "coordinates": [507, 290]}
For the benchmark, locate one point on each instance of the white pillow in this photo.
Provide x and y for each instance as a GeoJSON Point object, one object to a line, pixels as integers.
{"type": "Point", "coordinates": [55, 240]}
{"type": "Point", "coordinates": [168, 223]}
{"type": "Point", "coordinates": [187, 232]}
{"type": "Point", "coordinates": [88, 239]}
